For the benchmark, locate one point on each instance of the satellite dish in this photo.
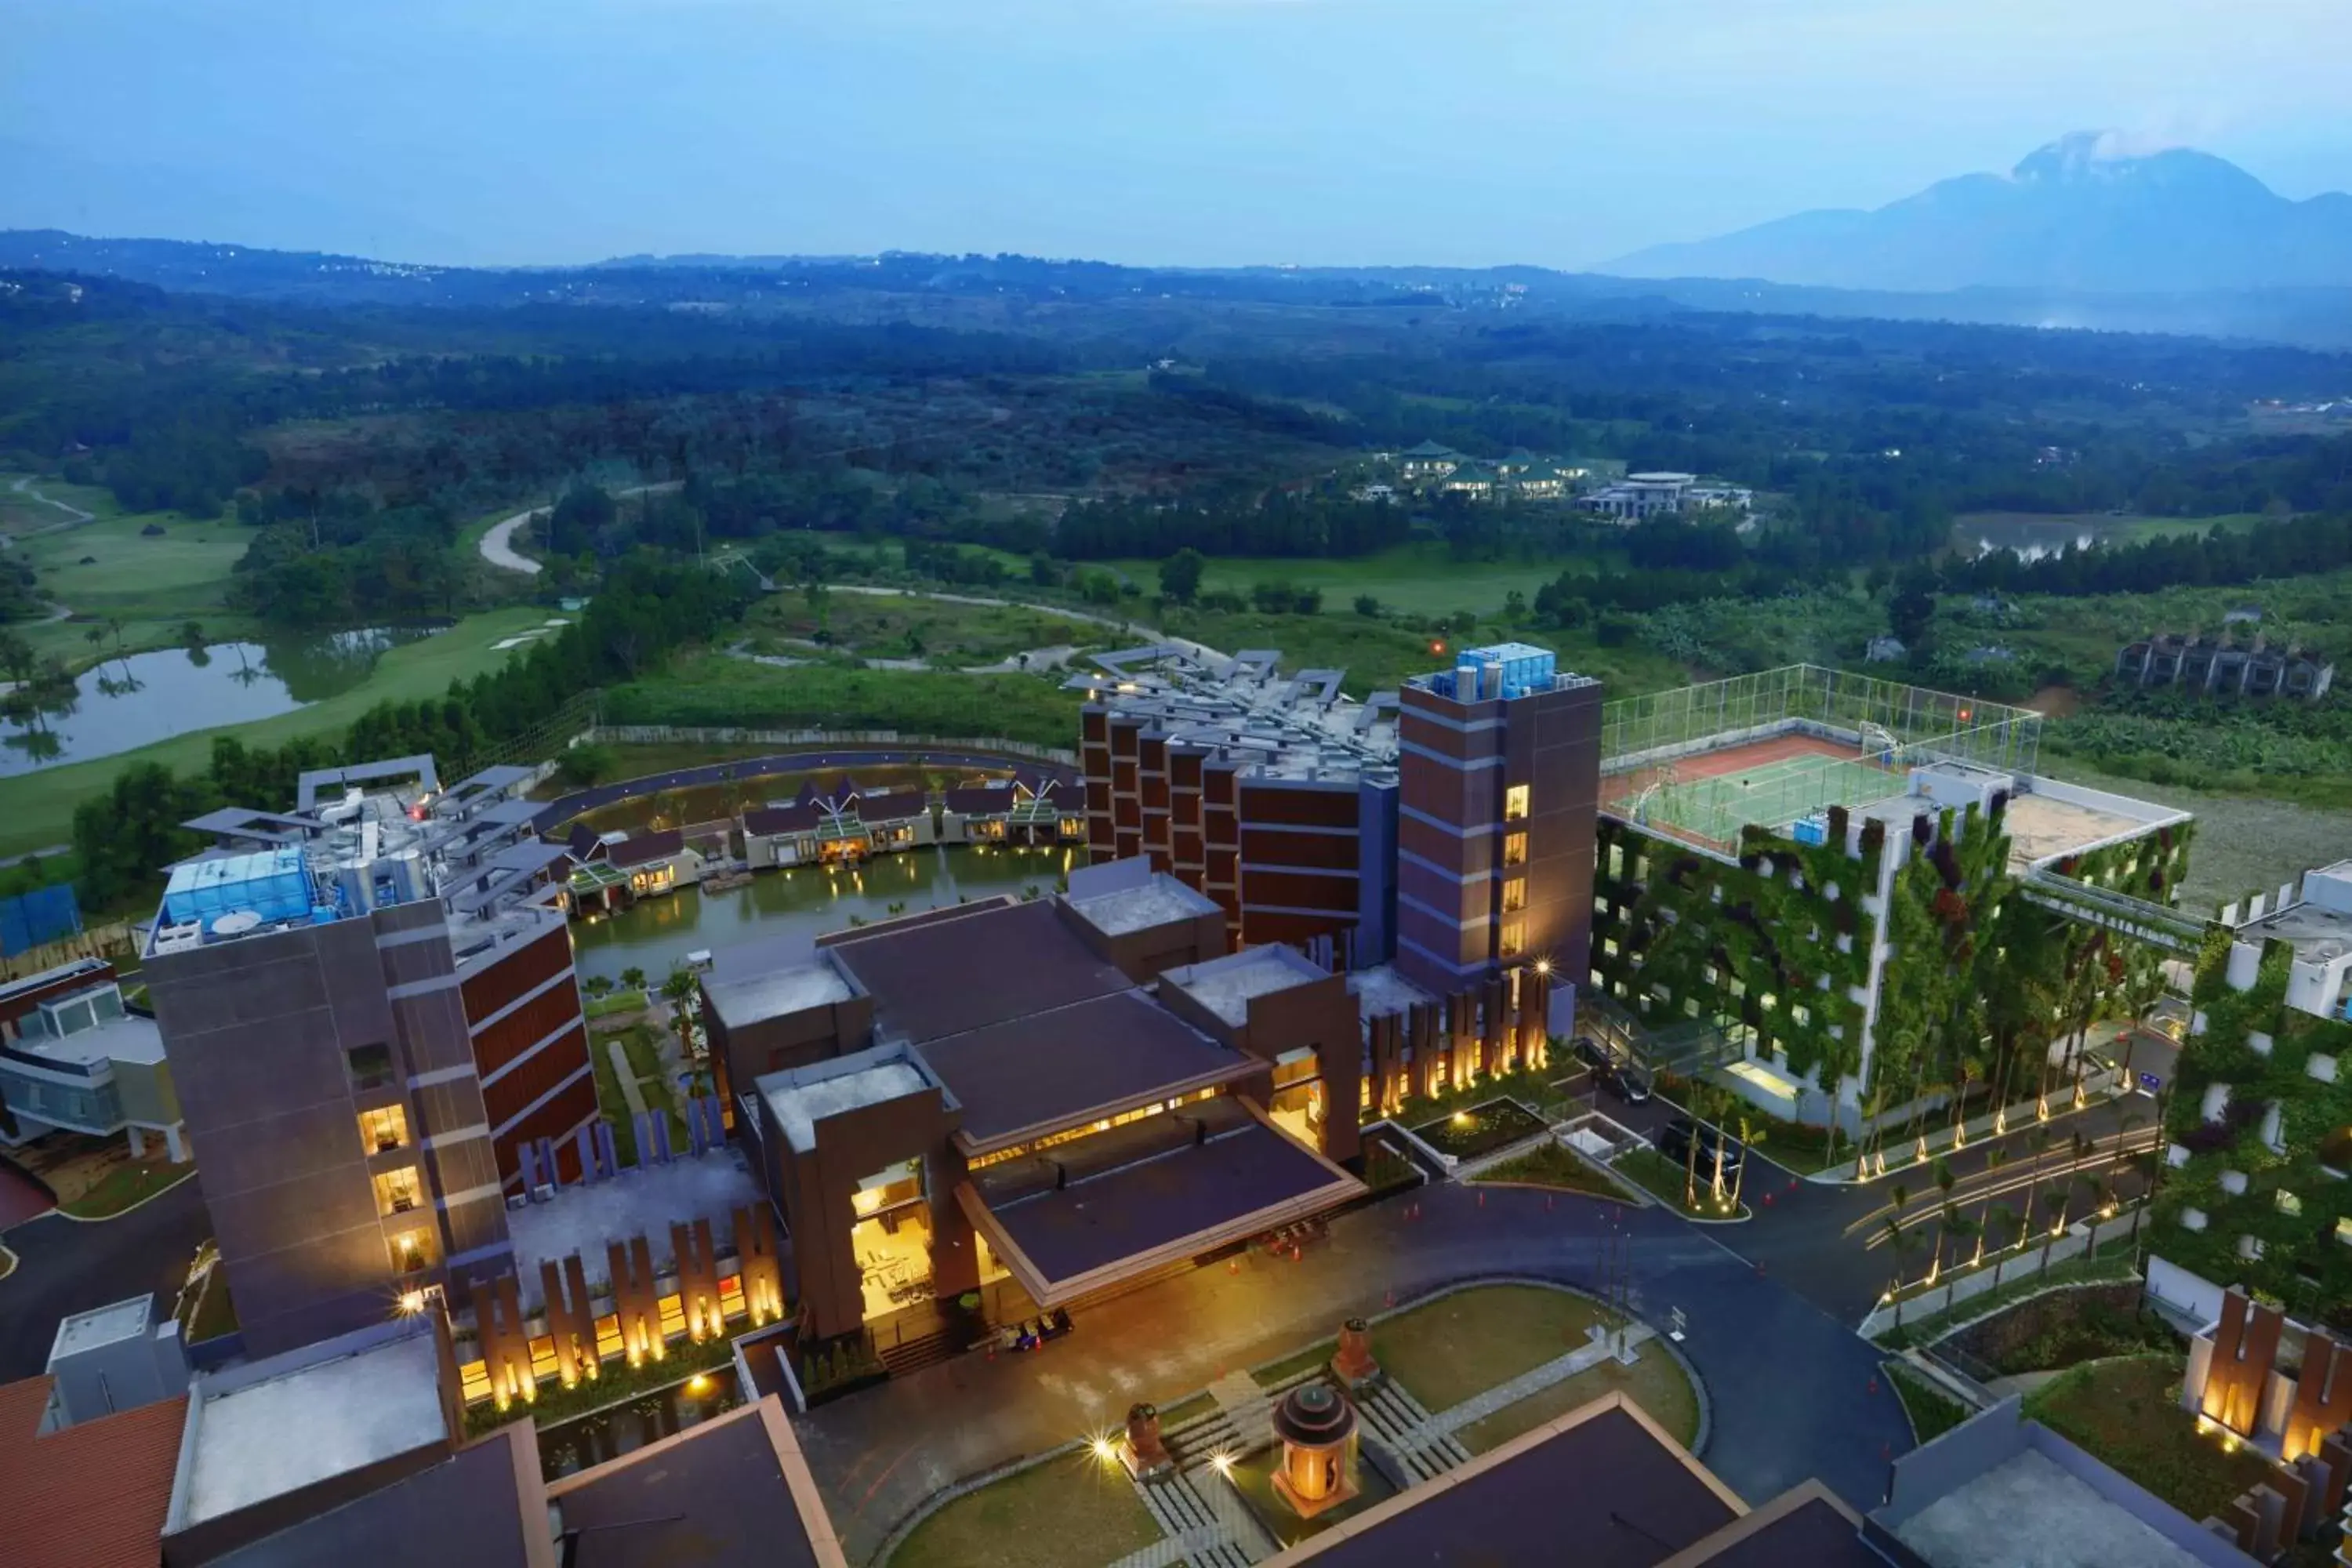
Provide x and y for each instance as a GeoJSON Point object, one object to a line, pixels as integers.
{"type": "Point", "coordinates": [237, 922]}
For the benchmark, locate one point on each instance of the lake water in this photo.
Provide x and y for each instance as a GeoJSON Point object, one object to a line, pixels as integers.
{"type": "Point", "coordinates": [124, 703]}
{"type": "Point", "coordinates": [657, 932]}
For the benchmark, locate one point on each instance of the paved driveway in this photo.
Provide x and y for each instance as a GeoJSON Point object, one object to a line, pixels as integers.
{"type": "Point", "coordinates": [69, 1267]}
{"type": "Point", "coordinates": [1790, 1386]}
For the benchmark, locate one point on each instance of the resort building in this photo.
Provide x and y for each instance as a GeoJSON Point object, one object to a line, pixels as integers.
{"type": "Point", "coordinates": [962, 1097]}
{"type": "Point", "coordinates": [656, 862]}
{"type": "Point", "coordinates": [73, 1058]}
{"type": "Point", "coordinates": [2218, 667]}
{"type": "Point", "coordinates": [1027, 811]}
{"type": "Point", "coordinates": [843, 827]}
{"type": "Point", "coordinates": [1781, 852]}
{"type": "Point", "coordinates": [1428, 461]}
{"type": "Point", "coordinates": [1639, 496]}
{"type": "Point", "coordinates": [371, 1014]}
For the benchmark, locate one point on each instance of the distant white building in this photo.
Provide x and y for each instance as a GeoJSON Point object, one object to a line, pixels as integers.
{"type": "Point", "coordinates": [1639, 496]}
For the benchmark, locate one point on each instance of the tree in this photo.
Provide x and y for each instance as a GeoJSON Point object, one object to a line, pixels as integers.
{"type": "Point", "coordinates": [1912, 610]}
{"type": "Point", "coordinates": [1945, 1180]}
{"type": "Point", "coordinates": [634, 978]}
{"type": "Point", "coordinates": [1368, 607]}
{"type": "Point", "coordinates": [584, 765]}
{"type": "Point", "coordinates": [1180, 576]}
{"type": "Point", "coordinates": [597, 986]}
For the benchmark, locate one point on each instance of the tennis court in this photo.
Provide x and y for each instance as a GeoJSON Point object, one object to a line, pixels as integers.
{"type": "Point", "coordinates": [1709, 798]}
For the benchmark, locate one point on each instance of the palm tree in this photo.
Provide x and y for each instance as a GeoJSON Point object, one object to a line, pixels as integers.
{"type": "Point", "coordinates": [2054, 1206]}
{"type": "Point", "coordinates": [1899, 1242]}
{"type": "Point", "coordinates": [1749, 1136]}
{"type": "Point", "coordinates": [1960, 1227]}
{"type": "Point", "coordinates": [1995, 1157]}
{"type": "Point", "coordinates": [1945, 1180]}
{"type": "Point", "coordinates": [1971, 1069]}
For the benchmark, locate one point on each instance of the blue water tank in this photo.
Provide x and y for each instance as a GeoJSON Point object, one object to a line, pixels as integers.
{"type": "Point", "coordinates": [1814, 829]}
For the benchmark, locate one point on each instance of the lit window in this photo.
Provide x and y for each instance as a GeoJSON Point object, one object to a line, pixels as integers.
{"type": "Point", "coordinates": [384, 1128]}
{"type": "Point", "coordinates": [1514, 804]}
{"type": "Point", "coordinates": [411, 1250]}
{"type": "Point", "coordinates": [1608, 946]}
{"type": "Point", "coordinates": [397, 1192]}
{"type": "Point", "coordinates": [1515, 895]}
{"type": "Point", "coordinates": [1515, 848]}
{"type": "Point", "coordinates": [1515, 939]}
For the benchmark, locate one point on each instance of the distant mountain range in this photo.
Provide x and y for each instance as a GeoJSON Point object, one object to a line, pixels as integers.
{"type": "Point", "coordinates": [2080, 215]}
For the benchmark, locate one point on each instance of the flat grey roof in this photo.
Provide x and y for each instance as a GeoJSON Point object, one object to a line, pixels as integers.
{"type": "Point", "coordinates": [2316, 932]}
{"type": "Point", "coordinates": [125, 1320]}
{"type": "Point", "coordinates": [716, 1493]}
{"type": "Point", "coordinates": [1225, 985]}
{"type": "Point", "coordinates": [1044, 1072]}
{"type": "Point", "coordinates": [1160, 902]}
{"type": "Point", "coordinates": [129, 1038]}
{"type": "Point", "coordinates": [2027, 1512]}
{"type": "Point", "coordinates": [742, 1000]}
{"type": "Point", "coordinates": [470, 1508]}
{"type": "Point", "coordinates": [1382, 989]}
{"type": "Point", "coordinates": [264, 1439]}
{"type": "Point", "coordinates": [800, 1099]}
{"type": "Point", "coordinates": [948, 971]}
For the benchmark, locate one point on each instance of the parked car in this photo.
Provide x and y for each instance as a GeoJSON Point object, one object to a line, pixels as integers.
{"type": "Point", "coordinates": [1623, 1079]}
{"type": "Point", "coordinates": [1674, 1140]}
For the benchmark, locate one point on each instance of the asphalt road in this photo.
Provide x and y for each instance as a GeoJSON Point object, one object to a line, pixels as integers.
{"type": "Point", "coordinates": [65, 1266]}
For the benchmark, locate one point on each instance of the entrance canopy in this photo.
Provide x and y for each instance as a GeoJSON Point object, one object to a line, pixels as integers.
{"type": "Point", "coordinates": [1213, 1175]}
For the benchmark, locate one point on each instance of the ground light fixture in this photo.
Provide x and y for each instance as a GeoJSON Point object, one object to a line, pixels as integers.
{"type": "Point", "coordinates": [1104, 1449]}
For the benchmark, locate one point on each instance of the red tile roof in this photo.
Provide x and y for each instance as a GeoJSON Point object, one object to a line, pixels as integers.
{"type": "Point", "coordinates": [93, 1495]}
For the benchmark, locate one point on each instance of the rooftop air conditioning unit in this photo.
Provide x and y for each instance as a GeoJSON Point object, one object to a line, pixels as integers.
{"type": "Point", "coordinates": [175, 938]}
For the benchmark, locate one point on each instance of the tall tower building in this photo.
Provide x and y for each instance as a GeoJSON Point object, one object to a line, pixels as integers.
{"type": "Point", "coordinates": [1499, 780]}
{"type": "Point", "coordinates": [312, 976]}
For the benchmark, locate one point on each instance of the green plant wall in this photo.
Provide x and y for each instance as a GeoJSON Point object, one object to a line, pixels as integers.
{"type": "Point", "coordinates": [2304, 1267]}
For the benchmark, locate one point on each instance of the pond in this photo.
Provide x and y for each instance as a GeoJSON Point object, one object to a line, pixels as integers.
{"type": "Point", "coordinates": [807, 901]}
{"type": "Point", "coordinates": [619, 1429]}
{"type": "Point", "coordinates": [121, 703]}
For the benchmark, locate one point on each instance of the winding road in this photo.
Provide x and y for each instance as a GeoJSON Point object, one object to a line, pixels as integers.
{"type": "Point", "coordinates": [498, 544]}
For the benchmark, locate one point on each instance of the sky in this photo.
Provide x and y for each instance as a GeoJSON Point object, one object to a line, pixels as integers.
{"type": "Point", "coordinates": [1197, 133]}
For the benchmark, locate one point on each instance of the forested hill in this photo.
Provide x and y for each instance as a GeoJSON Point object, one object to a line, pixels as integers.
{"type": "Point", "coordinates": [976, 289]}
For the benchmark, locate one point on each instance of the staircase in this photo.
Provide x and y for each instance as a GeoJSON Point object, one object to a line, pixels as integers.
{"type": "Point", "coordinates": [1396, 1421]}
{"type": "Point", "coordinates": [924, 1350]}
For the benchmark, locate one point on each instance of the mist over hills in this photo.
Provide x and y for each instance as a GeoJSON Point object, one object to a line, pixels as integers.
{"type": "Point", "coordinates": [2085, 213]}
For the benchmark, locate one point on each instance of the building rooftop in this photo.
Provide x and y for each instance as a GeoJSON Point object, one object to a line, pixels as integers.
{"type": "Point", "coordinates": [91, 1495]}
{"type": "Point", "coordinates": [1177, 1200]}
{"type": "Point", "coordinates": [745, 999]}
{"type": "Point", "coordinates": [483, 1506]}
{"type": "Point", "coordinates": [733, 1489]}
{"type": "Point", "coordinates": [260, 1432]}
{"type": "Point", "coordinates": [1225, 985]}
{"type": "Point", "coordinates": [125, 1320]}
{"type": "Point", "coordinates": [2316, 919]}
{"type": "Point", "coordinates": [1045, 1071]}
{"type": "Point", "coordinates": [1604, 1477]}
{"type": "Point", "coordinates": [1380, 989]}
{"type": "Point", "coordinates": [947, 971]}
{"type": "Point", "coordinates": [129, 1038]}
{"type": "Point", "coordinates": [2027, 1512]}
{"type": "Point", "coordinates": [1161, 901]}
{"type": "Point", "coordinates": [639, 1201]}
{"type": "Point", "coordinates": [2049, 819]}
{"type": "Point", "coordinates": [1300, 727]}
{"type": "Point", "coordinates": [802, 1097]}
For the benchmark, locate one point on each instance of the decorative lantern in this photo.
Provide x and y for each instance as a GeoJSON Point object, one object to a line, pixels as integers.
{"type": "Point", "coordinates": [1354, 1366]}
{"type": "Point", "coordinates": [1142, 1451]}
{"type": "Point", "coordinates": [1317, 1428]}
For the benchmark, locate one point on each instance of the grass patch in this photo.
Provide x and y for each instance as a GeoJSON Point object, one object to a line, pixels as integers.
{"type": "Point", "coordinates": [1480, 1129]}
{"type": "Point", "coordinates": [1791, 1145]}
{"type": "Point", "coordinates": [125, 1185]}
{"type": "Point", "coordinates": [1464, 1344]}
{"type": "Point", "coordinates": [2127, 1412]}
{"type": "Point", "coordinates": [1932, 1412]}
{"type": "Point", "coordinates": [615, 1382]}
{"type": "Point", "coordinates": [1071, 1512]}
{"type": "Point", "coordinates": [717, 690]}
{"type": "Point", "coordinates": [36, 808]}
{"type": "Point", "coordinates": [1183, 1410]}
{"type": "Point", "coordinates": [1274, 1373]}
{"type": "Point", "coordinates": [618, 1002]}
{"type": "Point", "coordinates": [216, 1312]}
{"type": "Point", "coordinates": [612, 1104]}
{"type": "Point", "coordinates": [1553, 1165]}
{"type": "Point", "coordinates": [946, 634]}
{"type": "Point", "coordinates": [1656, 1382]}
{"type": "Point", "coordinates": [1666, 1180]}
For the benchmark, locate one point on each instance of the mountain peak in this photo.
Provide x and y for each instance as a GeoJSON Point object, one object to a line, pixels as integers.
{"type": "Point", "coordinates": [2099, 211]}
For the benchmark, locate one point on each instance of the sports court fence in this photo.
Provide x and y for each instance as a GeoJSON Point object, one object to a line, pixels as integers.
{"type": "Point", "coordinates": [1779, 746]}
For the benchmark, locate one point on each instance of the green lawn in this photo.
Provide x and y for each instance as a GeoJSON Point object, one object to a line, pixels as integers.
{"type": "Point", "coordinates": [1466, 1343]}
{"type": "Point", "coordinates": [216, 1312]}
{"type": "Point", "coordinates": [2127, 1412]}
{"type": "Point", "coordinates": [1666, 1180]}
{"type": "Point", "coordinates": [36, 808]}
{"type": "Point", "coordinates": [1932, 1411]}
{"type": "Point", "coordinates": [125, 1185]}
{"type": "Point", "coordinates": [1419, 578]}
{"type": "Point", "coordinates": [109, 570]}
{"type": "Point", "coordinates": [1656, 1382]}
{"type": "Point", "coordinates": [1550, 1166]}
{"type": "Point", "coordinates": [714, 689]}
{"type": "Point", "coordinates": [945, 636]}
{"type": "Point", "coordinates": [1071, 1512]}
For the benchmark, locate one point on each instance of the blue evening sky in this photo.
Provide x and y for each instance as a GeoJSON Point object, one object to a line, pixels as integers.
{"type": "Point", "coordinates": [1183, 132]}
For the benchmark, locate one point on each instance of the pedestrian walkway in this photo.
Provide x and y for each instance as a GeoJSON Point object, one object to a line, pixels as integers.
{"type": "Point", "coordinates": [627, 1074]}
{"type": "Point", "coordinates": [1606, 1346]}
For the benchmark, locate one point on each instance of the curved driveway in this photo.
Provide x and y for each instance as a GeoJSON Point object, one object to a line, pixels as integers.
{"type": "Point", "coordinates": [68, 1265]}
{"type": "Point", "coordinates": [1792, 1389]}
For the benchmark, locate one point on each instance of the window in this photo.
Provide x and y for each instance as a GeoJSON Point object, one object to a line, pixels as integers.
{"type": "Point", "coordinates": [1515, 895]}
{"type": "Point", "coordinates": [1515, 939]}
{"type": "Point", "coordinates": [398, 1192]}
{"type": "Point", "coordinates": [384, 1128]}
{"type": "Point", "coordinates": [411, 1250]}
{"type": "Point", "coordinates": [1515, 848]}
{"type": "Point", "coordinates": [369, 1065]}
{"type": "Point", "coordinates": [1514, 804]}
